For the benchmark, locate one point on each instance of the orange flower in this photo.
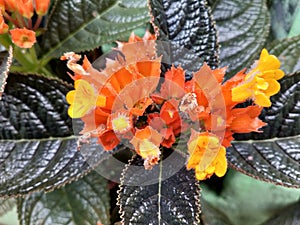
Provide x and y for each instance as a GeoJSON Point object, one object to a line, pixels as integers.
{"type": "Point", "coordinates": [11, 5]}
{"type": "Point", "coordinates": [2, 6]}
{"type": "Point", "coordinates": [207, 156]}
{"type": "Point", "coordinates": [173, 85]}
{"type": "Point", "coordinates": [23, 38]}
{"type": "Point", "coordinates": [170, 115]}
{"type": "Point", "coordinates": [246, 120]}
{"type": "Point", "coordinates": [238, 120]}
{"type": "Point", "coordinates": [3, 26]}
{"type": "Point", "coordinates": [108, 139]}
{"type": "Point", "coordinates": [146, 143]}
{"type": "Point", "coordinates": [41, 7]}
{"type": "Point", "coordinates": [25, 8]}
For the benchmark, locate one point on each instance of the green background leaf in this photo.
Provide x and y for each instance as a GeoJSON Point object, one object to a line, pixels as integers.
{"type": "Point", "coordinates": [87, 24]}
{"type": "Point", "coordinates": [287, 216]}
{"type": "Point", "coordinates": [243, 27]}
{"type": "Point", "coordinates": [83, 202]}
{"type": "Point", "coordinates": [248, 201]}
{"type": "Point", "coordinates": [6, 205]}
{"type": "Point", "coordinates": [285, 18]}
{"type": "Point", "coordinates": [167, 194]}
{"type": "Point", "coordinates": [288, 52]}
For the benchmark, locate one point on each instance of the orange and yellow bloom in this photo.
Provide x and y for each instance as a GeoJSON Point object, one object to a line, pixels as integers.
{"type": "Point", "coordinates": [127, 101]}
{"type": "Point", "coordinates": [207, 156]}
{"type": "Point", "coordinates": [146, 143]}
{"type": "Point", "coordinates": [261, 82]}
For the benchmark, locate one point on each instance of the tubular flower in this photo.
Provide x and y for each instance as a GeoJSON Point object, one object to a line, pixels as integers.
{"type": "Point", "coordinates": [83, 99]}
{"type": "Point", "coordinates": [25, 8]}
{"type": "Point", "coordinates": [23, 38]}
{"type": "Point", "coordinates": [207, 156]}
{"type": "Point", "coordinates": [41, 7]}
{"type": "Point", "coordinates": [261, 82]}
{"type": "Point", "coordinates": [146, 143]}
{"type": "Point", "coordinates": [3, 26]}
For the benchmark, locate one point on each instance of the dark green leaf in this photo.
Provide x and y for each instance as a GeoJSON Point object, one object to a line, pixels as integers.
{"type": "Point", "coordinates": [187, 31]}
{"type": "Point", "coordinates": [275, 160]}
{"type": "Point", "coordinates": [6, 205]}
{"type": "Point", "coordinates": [284, 19]}
{"type": "Point", "coordinates": [288, 216]}
{"type": "Point", "coordinates": [37, 148]}
{"type": "Point", "coordinates": [288, 51]}
{"type": "Point", "coordinates": [83, 202]}
{"type": "Point", "coordinates": [5, 62]}
{"type": "Point", "coordinates": [167, 194]}
{"type": "Point", "coordinates": [243, 27]}
{"type": "Point", "coordinates": [86, 24]}
{"type": "Point", "coordinates": [274, 155]}
{"type": "Point", "coordinates": [212, 216]}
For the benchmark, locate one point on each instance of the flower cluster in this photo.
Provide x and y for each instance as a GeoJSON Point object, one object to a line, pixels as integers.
{"type": "Point", "coordinates": [19, 16]}
{"type": "Point", "coordinates": [131, 100]}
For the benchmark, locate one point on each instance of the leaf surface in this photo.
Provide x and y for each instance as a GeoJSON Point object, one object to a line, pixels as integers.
{"type": "Point", "coordinates": [83, 202]}
{"type": "Point", "coordinates": [273, 160]}
{"type": "Point", "coordinates": [187, 32]}
{"type": "Point", "coordinates": [167, 194]}
{"type": "Point", "coordinates": [288, 51]}
{"type": "Point", "coordinates": [87, 24]}
{"type": "Point", "coordinates": [243, 27]}
{"type": "Point", "coordinates": [38, 149]}
{"type": "Point", "coordinates": [288, 216]}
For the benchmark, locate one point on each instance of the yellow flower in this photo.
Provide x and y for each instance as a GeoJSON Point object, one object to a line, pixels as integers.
{"type": "Point", "coordinates": [261, 82]}
{"type": "Point", "coordinates": [83, 99]}
{"type": "Point", "coordinates": [120, 122]}
{"type": "Point", "coordinates": [146, 143]}
{"type": "Point", "coordinates": [207, 156]}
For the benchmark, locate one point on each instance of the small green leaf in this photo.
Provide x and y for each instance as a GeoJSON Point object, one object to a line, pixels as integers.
{"type": "Point", "coordinates": [243, 27]}
{"type": "Point", "coordinates": [83, 202]}
{"type": "Point", "coordinates": [288, 51]}
{"type": "Point", "coordinates": [6, 205]}
{"type": "Point", "coordinates": [187, 32]}
{"type": "Point", "coordinates": [287, 216]}
{"type": "Point", "coordinates": [167, 194]}
{"type": "Point", "coordinates": [87, 24]}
